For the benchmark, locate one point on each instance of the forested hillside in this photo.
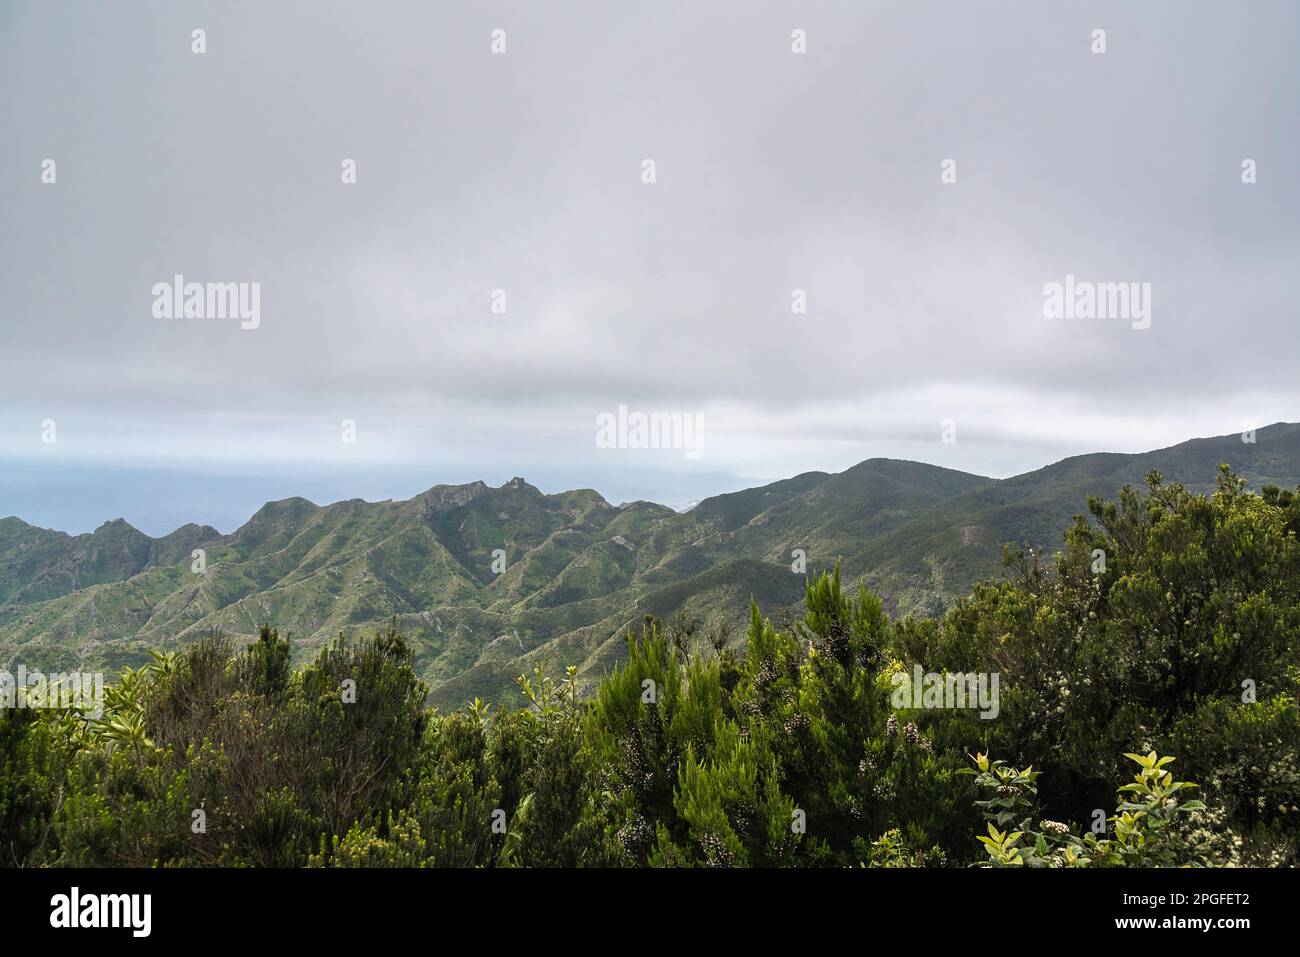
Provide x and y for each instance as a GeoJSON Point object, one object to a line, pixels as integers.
{"type": "Point", "coordinates": [1145, 712]}
{"type": "Point", "coordinates": [488, 582]}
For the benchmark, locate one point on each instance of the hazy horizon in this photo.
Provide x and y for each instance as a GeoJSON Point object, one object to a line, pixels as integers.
{"type": "Point", "coordinates": [804, 274]}
{"type": "Point", "coordinates": [234, 498]}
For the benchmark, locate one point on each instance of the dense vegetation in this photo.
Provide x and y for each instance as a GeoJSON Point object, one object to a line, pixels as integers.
{"type": "Point", "coordinates": [1168, 625]}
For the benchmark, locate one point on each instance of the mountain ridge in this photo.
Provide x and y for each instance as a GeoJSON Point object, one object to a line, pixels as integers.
{"type": "Point", "coordinates": [487, 581]}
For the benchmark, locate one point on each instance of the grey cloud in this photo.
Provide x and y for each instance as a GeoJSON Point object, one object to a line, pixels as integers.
{"type": "Point", "coordinates": [520, 172]}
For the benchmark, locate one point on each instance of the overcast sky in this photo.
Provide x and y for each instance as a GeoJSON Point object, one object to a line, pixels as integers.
{"type": "Point", "coordinates": [523, 172]}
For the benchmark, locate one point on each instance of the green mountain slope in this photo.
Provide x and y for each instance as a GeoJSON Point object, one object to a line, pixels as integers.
{"type": "Point", "coordinates": [487, 582]}
{"type": "Point", "coordinates": [37, 563]}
